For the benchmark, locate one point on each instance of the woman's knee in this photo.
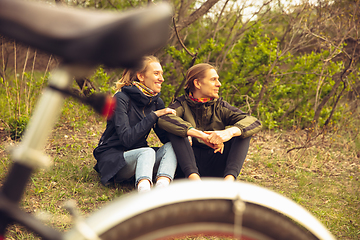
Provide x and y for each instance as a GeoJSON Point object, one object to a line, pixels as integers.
{"type": "Point", "coordinates": [166, 161]}
{"type": "Point", "coordinates": [148, 152]}
{"type": "Point", "coordinates": [168, 147]}
{"type": "Point", "coordinates": [167, 151]}
{"type": "Point", "coordinates": [146, 158]}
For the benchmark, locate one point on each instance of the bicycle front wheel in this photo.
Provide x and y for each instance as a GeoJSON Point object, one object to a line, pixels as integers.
{"type": "Point", "coordinates": [195, 210]}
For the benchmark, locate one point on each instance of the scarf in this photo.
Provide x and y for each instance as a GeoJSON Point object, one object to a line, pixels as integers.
{"type": "Point", "coordinates": [201, 100]}
{"type": "Point", "coordinates": [144, 89]}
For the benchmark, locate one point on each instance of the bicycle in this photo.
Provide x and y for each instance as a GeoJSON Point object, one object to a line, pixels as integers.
{"type": "Point", "coordinates": [211, 206]}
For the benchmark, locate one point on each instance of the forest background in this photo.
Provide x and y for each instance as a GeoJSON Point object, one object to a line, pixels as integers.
{"type": "Point", "coordinates": [292, 64]}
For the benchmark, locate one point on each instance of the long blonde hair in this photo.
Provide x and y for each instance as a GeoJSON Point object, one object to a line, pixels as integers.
{"type": "Point", "coordinates": [129, 75]}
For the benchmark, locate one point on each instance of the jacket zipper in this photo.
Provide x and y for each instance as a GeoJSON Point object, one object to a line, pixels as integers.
{"type": "Point", "coordinates": [146, 106]}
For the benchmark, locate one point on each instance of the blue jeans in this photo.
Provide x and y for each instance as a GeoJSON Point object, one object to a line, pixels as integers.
{"type": "Point", "coordinates": [143, 162]}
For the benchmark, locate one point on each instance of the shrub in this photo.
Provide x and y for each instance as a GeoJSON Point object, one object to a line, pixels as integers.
{"type": "Point", "coordinates": [17, 126]}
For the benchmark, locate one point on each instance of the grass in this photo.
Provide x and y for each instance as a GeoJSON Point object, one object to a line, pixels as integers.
{"type": "Point", "coordinates": [323, 176]}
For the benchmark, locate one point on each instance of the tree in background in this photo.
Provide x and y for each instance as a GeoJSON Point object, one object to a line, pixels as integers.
{"type": "Point", "coordinates": [273, 65]}
{"type": "Point", "coordinates": [288, 64]}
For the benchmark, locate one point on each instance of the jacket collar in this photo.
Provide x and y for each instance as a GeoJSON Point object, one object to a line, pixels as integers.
{"type": "Point", "coordinates": [192, 103]}
{"type": "Point", "coordinates": [139, 97]}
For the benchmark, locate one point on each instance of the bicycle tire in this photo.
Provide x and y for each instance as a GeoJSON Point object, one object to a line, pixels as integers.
{"type": "Point", "coordinates": [210, 217]}
{"type": "Point", "coordinates": [186, 208]}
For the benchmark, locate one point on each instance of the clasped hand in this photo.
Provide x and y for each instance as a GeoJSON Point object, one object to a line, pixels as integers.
{"type": "Point", "coordinates": [215, 139]}
{"type": "Point", "coordinates": [218, 137]}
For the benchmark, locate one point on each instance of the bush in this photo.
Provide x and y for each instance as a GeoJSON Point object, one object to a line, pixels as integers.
{"type": "Point", "coordinates": [17, 126]}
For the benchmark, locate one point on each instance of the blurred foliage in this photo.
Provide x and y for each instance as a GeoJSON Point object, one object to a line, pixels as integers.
{"type": "Point", "coordinates": [287, 64]}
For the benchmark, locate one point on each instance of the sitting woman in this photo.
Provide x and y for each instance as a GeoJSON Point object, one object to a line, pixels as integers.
{"type": "Point", "coordinates": [221, 132]}
{"type": "Point", "coordinates": [123, 150]}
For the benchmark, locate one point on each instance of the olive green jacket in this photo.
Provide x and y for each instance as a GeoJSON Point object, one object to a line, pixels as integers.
{"type": "Point", "coordinates": [213, 115]}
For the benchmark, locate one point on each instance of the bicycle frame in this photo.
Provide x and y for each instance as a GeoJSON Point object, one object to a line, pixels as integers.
{"type": "Point", "coordinates": [29, 154]}
{"type": "Point", "coordinates": [30, 150]}
{"type": "Point", "coordinates": [83, 39]}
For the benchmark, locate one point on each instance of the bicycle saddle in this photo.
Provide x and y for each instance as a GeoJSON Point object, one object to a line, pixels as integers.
{"type": "Point", "coordinates": [87, 36]}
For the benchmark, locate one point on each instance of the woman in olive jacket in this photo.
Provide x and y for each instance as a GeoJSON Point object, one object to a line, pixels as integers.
{"type": "Point", "coordinates": [123, 150]}
{"type": "Point", "coordinates": [210, 137]}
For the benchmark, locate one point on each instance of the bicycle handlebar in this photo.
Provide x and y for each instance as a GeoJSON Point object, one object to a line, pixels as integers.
{"type": "Point", "coordinates": [84, 36]}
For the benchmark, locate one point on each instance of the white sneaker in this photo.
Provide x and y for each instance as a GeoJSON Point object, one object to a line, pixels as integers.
{"type": "Point", "coordinates": [144, 186]}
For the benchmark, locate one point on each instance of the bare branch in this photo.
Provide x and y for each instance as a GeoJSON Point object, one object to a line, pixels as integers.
{"type": "Point", "coordinates": [203, 9]}
{"type": "Point", "coordinates": [182, 44]}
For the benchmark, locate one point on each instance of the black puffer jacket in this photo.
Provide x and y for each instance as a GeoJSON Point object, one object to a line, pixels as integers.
{"type": "Point", "coordinates": [128, 129]}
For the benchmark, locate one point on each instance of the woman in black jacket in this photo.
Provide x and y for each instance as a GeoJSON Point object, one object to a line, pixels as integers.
{"type": "Point", "coordinates": [123, 150]}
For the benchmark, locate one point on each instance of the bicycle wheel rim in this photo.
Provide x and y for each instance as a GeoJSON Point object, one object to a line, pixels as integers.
{"type": "Point", "coordinates": [210, 217]}
{"type": "Point", "coordinates": [132, 205]}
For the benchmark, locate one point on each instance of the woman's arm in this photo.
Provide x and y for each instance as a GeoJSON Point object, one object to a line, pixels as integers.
{"type": "Point", "coordinates": [161, 133]}
{"type": "Point", "coordinates": [174, 123]}
{"type": "Point", "coordinates": [129, 135]}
